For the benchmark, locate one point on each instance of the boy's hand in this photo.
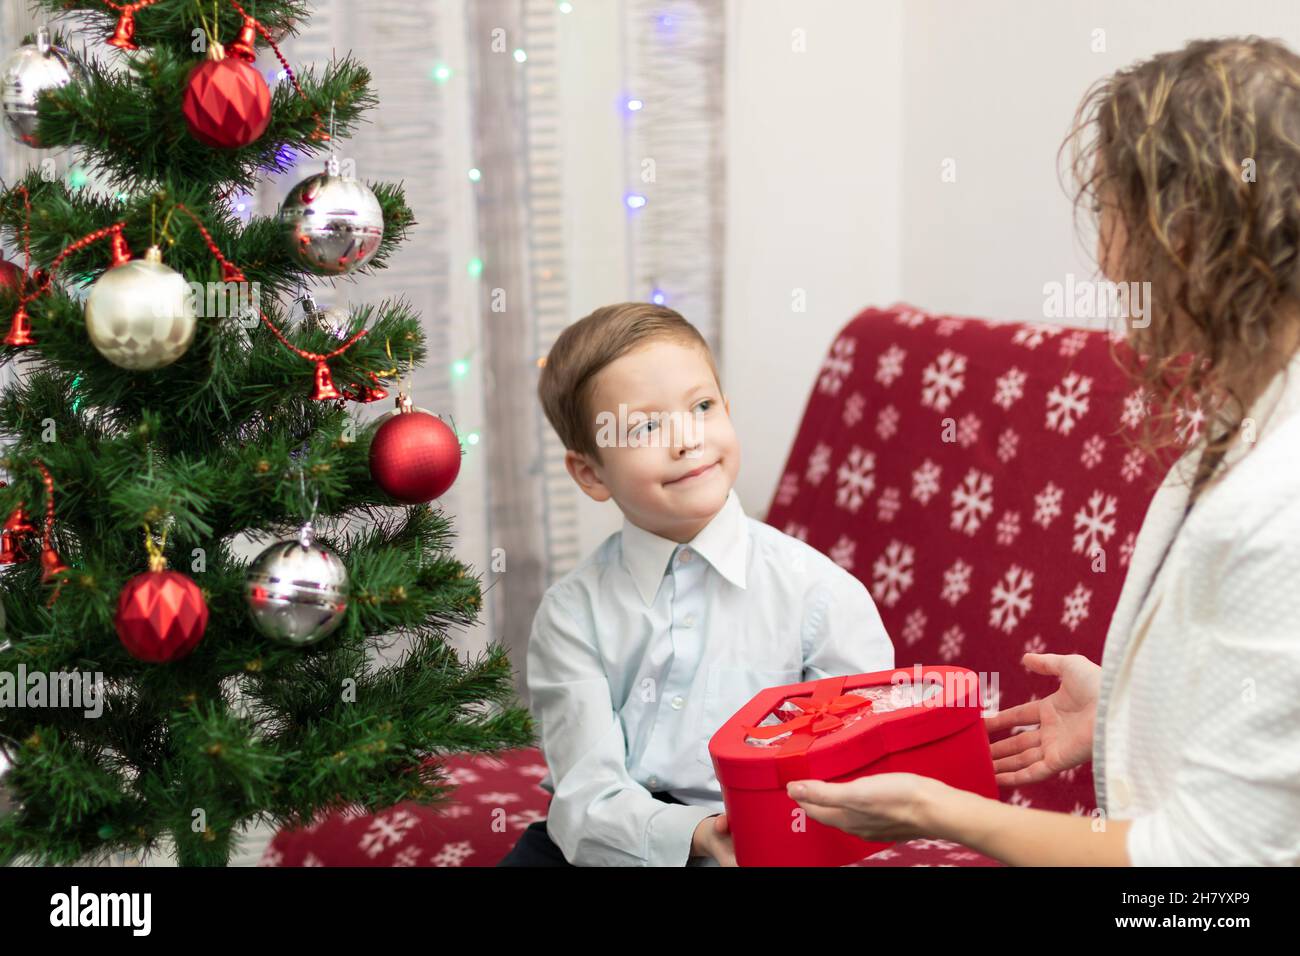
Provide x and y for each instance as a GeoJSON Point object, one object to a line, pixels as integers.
{"type": "Point", "coordinates": [712, 838]}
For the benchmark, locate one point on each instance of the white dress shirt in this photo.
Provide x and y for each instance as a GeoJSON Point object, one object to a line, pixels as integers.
{"type": "Point", "coordinates": [647, 647]}
{"type": "Point", "coordinates": [1198, 721]}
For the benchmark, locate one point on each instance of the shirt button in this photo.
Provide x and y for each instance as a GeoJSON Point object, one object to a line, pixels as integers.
{"type": "Point", "coordinates": [688, 620]}
{"type": "Point", "coordinates": [684, 555]}
{"type": "Point", "coordinates": [653, 782]}
{"type": "Point", "coordinates": [678, 702]}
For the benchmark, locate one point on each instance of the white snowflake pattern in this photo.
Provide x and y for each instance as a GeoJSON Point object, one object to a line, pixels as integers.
{"type": "Point", "coordinates": [1008, 442]}
{"type": "Point", "coordinates": [942, 380]}
{"type": "Point", "coordinates": [819, 463]}
{"type": "Point", "coordinates": [956, 582]}
{"type": "Point", "coordinates": [788, 489]}
{"type": "Point", "coordinates": [453, 854]}
{"type": "Point", "coordinates": [1073, 343]}
{"type": "Point", "coordinates": [1032, 336]}
{"type": "Point", "coordinates": [838, 365]}
{"type": "Point", "coordinates": [910, 317]}
{"type": "Point", "coordinates": [1076, 607]}
{"type": "Point", "coordinates": [853, 407]}
{"type": "Point", "coordinates": [1010, 387]}
{"type": "Point", "coordinates": [968, 429]}
{"type": "Point", "coordinates": [887, 422]}
{"type": "Point", "coordinates": [461, 776]}
{"type": "Point", "coordinates": [946, 327]}
{"type": "Point", "coordinates": [892, 573]}
{"type": "Point", "coordinates": [1011, 598]}
{"type": "Point", "coordinates": [1136, 407]}
{"type": "Point", "coordinates": [1068, 402]}
{"type": "Point", "coordinates": [538, 770]}
{"type": "Point", "coordinates": [1018, 799]}
{"type": "Point", "coordinates": [914, 627]}
{"type": "Point", "coordinates": [524, 818]}
{"type": "Point", "coordinates": [972, 501]}
{"type": "Point", "coordinates": [1126, 549]}
{"type": "Point", "coordinates": [841, 552]}
{"type": "Point", "coordinates": [1189, 424]}
{"type": "Point", "coordinates": [1035, 645]}
{"type": "Point", "coordinates": [950, 643]}
{"type": "Point", "coordinates": [1008, 527]}
{"type": "Point", "coordinates": [854, 479]}
{"type": "Point", "coordinates": [1095, 523]}
{"type": "Point", "coordinates": [1092, 450]}
{"type": "Point", "coordinates": [925, 481]}
{"type": "Point", "coordinates": [387, 830]}
{"type": "Point", "coordinates": [1134, 461]}
{"type": "Point", "coordinates": [795, 530]}
{"type": "Point", "coordinates": [498, 798]}
{"type": "Point", "coordinates": [889, 366]}
{"type": "Point", "coordinates": [888, 503]}
{"type": "Point", "coordinates": [1047, 504]}
{"type": "Point", "coordinates": [409, 856]}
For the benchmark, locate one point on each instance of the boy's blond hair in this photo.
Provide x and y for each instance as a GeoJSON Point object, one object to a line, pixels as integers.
{"type": "Point", "coordinates": [584, 348]}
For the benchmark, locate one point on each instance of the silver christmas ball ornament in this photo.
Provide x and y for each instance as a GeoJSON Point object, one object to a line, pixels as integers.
{"type": "Point", "coordinates": [296, 590]}
{"type": "Point", "coordinates": [8, 799]}
{"type": "Point", "coordinates": [330, 319]}
{"type": "Point", "coordinates": [332, 223]}
{"type": "Point", "coordinates": [31, 70]}
{"type": "Point", "coordinates": [140, 314]}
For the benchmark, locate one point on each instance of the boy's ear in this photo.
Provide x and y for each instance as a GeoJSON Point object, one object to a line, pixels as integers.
{"type": "Point", "coordinates": [584, 473]}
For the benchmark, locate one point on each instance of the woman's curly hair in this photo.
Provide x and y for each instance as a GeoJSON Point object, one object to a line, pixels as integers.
{"type": "Point", "coordinates": [1196, 153]}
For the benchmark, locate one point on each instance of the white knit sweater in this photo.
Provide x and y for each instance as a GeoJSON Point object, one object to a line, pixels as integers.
{"type": "Point", "coordinates": [1198, 728]}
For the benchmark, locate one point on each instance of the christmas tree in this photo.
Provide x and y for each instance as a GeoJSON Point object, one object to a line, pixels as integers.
{"type": "Point", "coordinates": [169, 400]}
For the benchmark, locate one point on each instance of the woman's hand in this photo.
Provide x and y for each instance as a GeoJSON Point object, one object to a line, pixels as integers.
{"type": "Point", "coordinates": [886, 806]}
{"type": "Point", "coordinates": [1065, 723]}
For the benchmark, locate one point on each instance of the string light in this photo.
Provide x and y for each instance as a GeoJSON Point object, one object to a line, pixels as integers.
{"type": "Point", "coordinates": [566, 6]}
{"type": "Point", "coordinates": [658, 297]}
{"type": "Point", "coordinates": [77, 177]}
{"type": "Point", "coordinates": [634, 105]}
{"type": "Point", "coordinates": [460, 368]}
{"type": "Point", "coordinates": [442, 73]}
{"type": "Point", "coordinates": [475, 175]}
{"type": "Point", "coordinates": [475, 267]}
{"type": "Point", "coordinates": [472, 438]}
{"type": "Point", "coordinates": [635, 200]}
{"type": "Point", "coordinates": [520, 56]}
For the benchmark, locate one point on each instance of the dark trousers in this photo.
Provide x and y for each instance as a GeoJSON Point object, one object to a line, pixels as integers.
{"type": "Point", "coordinates": [536, 848]}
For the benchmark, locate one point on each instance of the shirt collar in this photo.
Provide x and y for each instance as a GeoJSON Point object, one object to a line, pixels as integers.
{"type": "Point", "coordinates": [723, 542]}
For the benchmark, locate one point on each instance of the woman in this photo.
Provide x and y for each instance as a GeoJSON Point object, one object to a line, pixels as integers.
{"type": "Point", "coordinates": [1192, 721]}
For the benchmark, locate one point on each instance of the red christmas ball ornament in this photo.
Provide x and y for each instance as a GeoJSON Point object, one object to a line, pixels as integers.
{"type": "Point", "coordinates": [414, 456]}
{"type": "Point", "coordinates": [227, 103]}
{"type": "Point", "coordinates": [11, 277]}
{"type": "Point", "coordinates": [161, 615]}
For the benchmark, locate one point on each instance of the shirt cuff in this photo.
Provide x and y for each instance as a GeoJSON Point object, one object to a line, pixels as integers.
{"type": "Point", "coordinates": [671, 829]}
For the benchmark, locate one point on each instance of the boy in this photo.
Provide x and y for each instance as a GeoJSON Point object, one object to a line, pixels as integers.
{"type": "Point", "coordinates": [641, 652]}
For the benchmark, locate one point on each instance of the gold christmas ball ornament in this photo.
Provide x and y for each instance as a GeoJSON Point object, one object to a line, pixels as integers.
{"type": "Point", "coordinates": [140, 314]}
{"type": "Point", "coordinates": [333, 224]}
{"type": "Point", "coordinates": [31, 70]}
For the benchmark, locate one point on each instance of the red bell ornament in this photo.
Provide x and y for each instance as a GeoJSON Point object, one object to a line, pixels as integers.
{"type": "Point", "coordinates": [414, 456]}
{"type": "Point", "coordinates": [227, 103]}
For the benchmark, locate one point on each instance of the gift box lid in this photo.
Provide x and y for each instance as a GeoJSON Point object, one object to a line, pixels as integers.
{"type": "Point", "coordinates": [827, 728]}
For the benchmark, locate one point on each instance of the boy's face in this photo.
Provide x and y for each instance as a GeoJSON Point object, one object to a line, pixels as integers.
{"type": "Point", "coordinates": [645, 468]}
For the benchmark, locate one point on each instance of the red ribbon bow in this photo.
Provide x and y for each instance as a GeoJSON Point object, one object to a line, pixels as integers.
{"type": "Point", "coordinates": [821, 714]}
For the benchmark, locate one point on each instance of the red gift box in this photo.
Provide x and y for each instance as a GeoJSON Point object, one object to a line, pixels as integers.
{"type": "Point", "coordinates": [923, 720]}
